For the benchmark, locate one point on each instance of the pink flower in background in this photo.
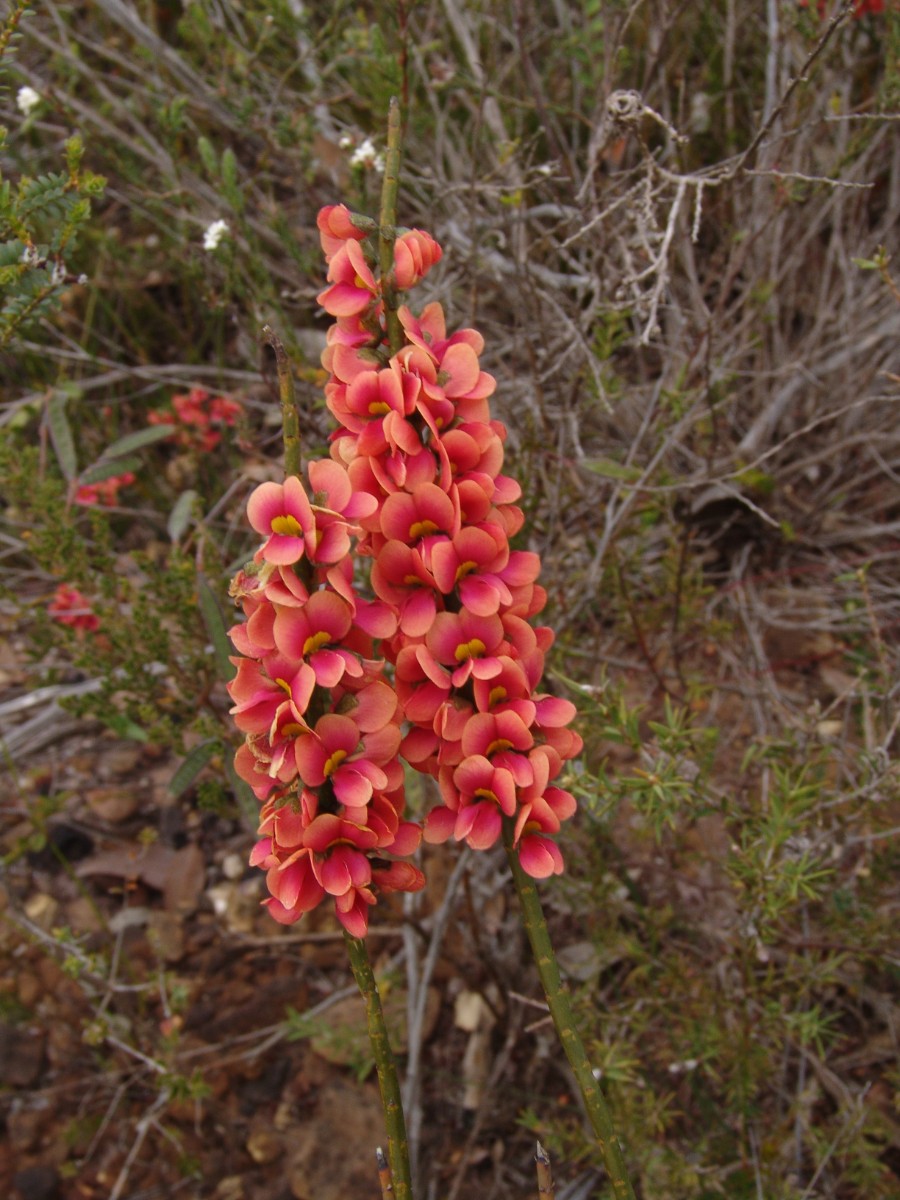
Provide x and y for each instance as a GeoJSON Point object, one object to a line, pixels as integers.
{"type": "Point", "coordinates": [105, 493]}
{"type": "Point", "coordinates": [71, 608]}
{"type": "Point", "coordinates": [199, 418]}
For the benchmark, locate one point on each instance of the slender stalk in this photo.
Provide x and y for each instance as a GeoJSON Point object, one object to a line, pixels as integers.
{"type": "Point", "coordinates": [561, 1010]}
{"type": "Point", "coordinates": [290, 418]}
{"type": "Point", "coordinates": [384, 1176]}
{"type": "Point", "coordinates": [398, 1148]}
{"type": "Point", "coordinates": [546, 1188]}
{"type": "Point", "coordinates": [387, 231]}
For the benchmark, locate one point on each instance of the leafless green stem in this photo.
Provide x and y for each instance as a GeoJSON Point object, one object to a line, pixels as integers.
{"type": "Point", "coordinates": [561, 1011]}
{"type": "Point", "coordinates": [398, 1147]}
{"type": "Point", "coordinates": [290, 418]}
{"type": "Point", "coordinates": [387, 225]}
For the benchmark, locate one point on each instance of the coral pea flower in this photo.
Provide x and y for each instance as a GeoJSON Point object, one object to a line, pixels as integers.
{"type": "Point", "coordinates": [335, 751]}
{"type": "Point", "coordinates": [415, 253]}
{"type": "Point", "coordinates": [467, 642]}
{"type": "Point", "coordinates": [281, 512]}
{"type": "Point", "coordinates": [312, 637]}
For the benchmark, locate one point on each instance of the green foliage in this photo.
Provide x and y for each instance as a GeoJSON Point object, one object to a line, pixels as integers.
{"type": "Point", "coordinates": [40, 220]}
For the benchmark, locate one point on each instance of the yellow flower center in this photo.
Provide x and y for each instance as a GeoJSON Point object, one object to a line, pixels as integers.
{"type": "Point", "coordinates": [315, 642]}
{"type": "Point", "coordinates": [496, 696]}
{"type": "Point", "coordinates": [283, 683]}
{"type": "Point", "coordinates": [420, 529]}
{"type": "Point", "coordinates": [378, 408]}
{"type": "Point", "coordinates": [486, 794]}
{"type": "Point", "coordinates": [464, 569]}
{"type": "Point", "coordinates": [287, 525]}
{"type": "Point", "coordinates": [411, 580]}
{"type": "Point", "coordinates": [497, 746]}
{"type": "Point", "coordinates": [334, 762]}
{"type": "Point", "coordinates": [471, 649]}
{"type": "Point", "coordinates": [292, 729]}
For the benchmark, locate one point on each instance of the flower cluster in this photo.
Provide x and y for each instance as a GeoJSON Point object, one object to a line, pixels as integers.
{"type": "Point", "coordinates": [215, 233]}
{"type": "Point", "coordinates": [417, 436]}
{"type": "Point", "coordinates": [414, 484]}
{"type": "Point", "coordinates": [105, 492]}
{"type": "Point", "coordinates": [322, 725]}
{"type": "Point", "coordinates": [71, 608]}
{"type": "Point", "coordinates": [199, 419]}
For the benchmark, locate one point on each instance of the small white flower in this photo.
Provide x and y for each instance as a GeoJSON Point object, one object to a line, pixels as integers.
{"type": "Point", "coordinates": [214, 234]}
{"type": "Point", "coordinates": [365, 155]}
{"type": "Point", "coordinates": [689, 1064]}
{"type": "Point", "coordinates": [346, 141]}
{"type": "Point", "coordinates": [27, 99]}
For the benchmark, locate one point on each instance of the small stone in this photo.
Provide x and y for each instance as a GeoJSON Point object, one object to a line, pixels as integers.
{"type": "Point", "coordinates": [264, 1146]}
{"type": "Point", "coordinates": [120, 758]}
{"type": "Point", "coordinates": [233, 866]}
{"type": "Point", "coordinates": [41, 909]}
{"type": "Point", "coordinates": [230, 1188]}
{"type": "Point", "coordinates": [112, 804]}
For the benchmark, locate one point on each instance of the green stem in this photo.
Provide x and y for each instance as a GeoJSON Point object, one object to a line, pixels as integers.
{"type": "Point", "coordinates": [290, 418]}
{"type": "Point", "coordinates": [387, 231]}
{"type": "Point", "coordinates": [398, 1146]}
{"type": "Point", "coordinates": [561, 1011]}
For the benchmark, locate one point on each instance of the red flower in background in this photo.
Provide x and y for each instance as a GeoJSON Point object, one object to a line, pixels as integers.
{"type": "Point", "coordinates": [199, 417]}
{"type": "Point", "coordinates": [71, 608]}
{"type": "Point", "coordinates": [105, 493]}
{"type": "Point", "coordinates": [863, 7]}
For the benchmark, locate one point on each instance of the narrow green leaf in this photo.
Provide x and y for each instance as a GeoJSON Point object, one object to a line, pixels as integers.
{"type": "Point", "coordinates": [105, 469]}
{"type": "Point", "coordinates": [215, 627]}
{"type": "Point", "coordinates": [181, 515]}
{"type": "Point", "coordinates": [208, 157]}
{"type": "Point", "coordinates": [192, 764]}
{"type": "Point", "coordinates": [61, 436]}
{"type": "Point", "coordinates": [121, 725]}
{"type": "Point", "coordinates": [136, 441]}
{"type": "Point", "coordinates": [610, 469]}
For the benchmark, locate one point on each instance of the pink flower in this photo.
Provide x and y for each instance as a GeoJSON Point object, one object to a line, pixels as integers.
{"type": "Point", "coordinates": [281, 512]}
{"type": "Point", "coordinates": [353, 287]}
{"type": "Point", "coordinates": [71, 608]}
{"type": "Point", "coordinates": [199, 417]}
{"type": "Point", "coordinates": [335, 224]}
{"type": "Point", "coordinates": [106, 492]}
{"type": "Point", "coordinates": [415, 253]}
{"type": "Point", "coordinates": [411, 518]}
{"type": "Point", "coordinates": [400, 578]}
{"type": "Point", "coordinates": [467, 642]}
{"type": "Point", "coordinates": [336, 751]}
{"type": "Point", "coordinates": [312, 637]}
